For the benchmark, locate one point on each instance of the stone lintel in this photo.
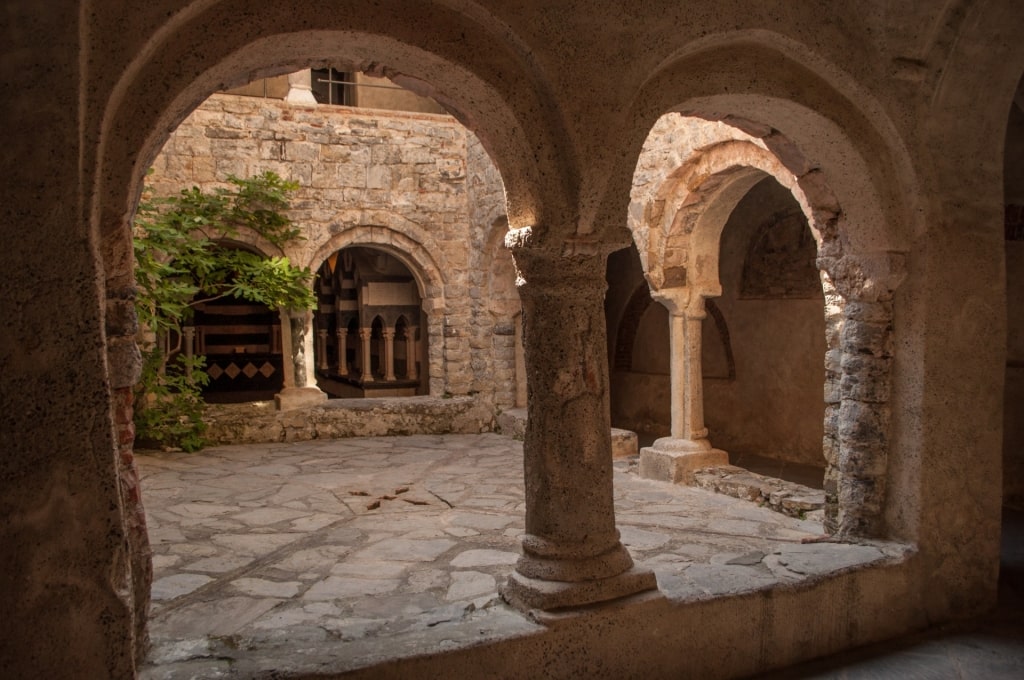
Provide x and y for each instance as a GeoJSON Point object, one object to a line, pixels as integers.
{"type": "Point", "coordinates": [676, 460]}
{"type": "Point", "coordinates": [529, 594]}
{"type": "Point", "coordinates": [291, 398]}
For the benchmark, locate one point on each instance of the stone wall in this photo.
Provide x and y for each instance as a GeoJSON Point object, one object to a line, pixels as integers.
{"type": "Point", "coordinates": [417, 185]}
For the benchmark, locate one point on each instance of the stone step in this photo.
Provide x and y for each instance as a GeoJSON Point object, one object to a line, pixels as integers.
{"type": "Point", "coordinates": [789, 498]}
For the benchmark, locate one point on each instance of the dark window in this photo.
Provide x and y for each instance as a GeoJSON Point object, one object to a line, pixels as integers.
{"type": "Point", "coordinates": [331, 86]}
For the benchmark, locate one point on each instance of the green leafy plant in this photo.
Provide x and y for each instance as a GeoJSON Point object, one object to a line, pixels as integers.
{"type": "Point", "coordinates": [181, 262]}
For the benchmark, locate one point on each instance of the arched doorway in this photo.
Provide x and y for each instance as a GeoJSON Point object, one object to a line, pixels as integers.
{"type": "Point", "coordinates": [368, 325]}
{"type": "Point", "coordinates": [772, 303]}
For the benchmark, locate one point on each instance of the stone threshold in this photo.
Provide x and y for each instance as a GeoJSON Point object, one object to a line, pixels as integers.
{"type": "Point", "coordinates": [789, 498]}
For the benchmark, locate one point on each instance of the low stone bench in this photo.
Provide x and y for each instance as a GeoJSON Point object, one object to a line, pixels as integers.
{"type": "Point", "coordinates": [261, 422]}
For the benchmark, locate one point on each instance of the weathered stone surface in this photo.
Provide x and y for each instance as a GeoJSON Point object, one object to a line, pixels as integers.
{"type": "Point", "coordinates": [255, 422]}
{"type": "Point", "coordinates": [780, 495]}
{"type": "Point", "coordinates": [420, 185]}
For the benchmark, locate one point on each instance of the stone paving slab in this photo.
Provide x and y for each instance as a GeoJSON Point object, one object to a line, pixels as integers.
{"type": "Point", "coordinates": [366, 547]}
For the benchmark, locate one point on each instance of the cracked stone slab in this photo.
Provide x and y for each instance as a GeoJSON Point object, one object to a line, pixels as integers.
{"type": "Point", "coordinates": [406, 550]}
{"type": "Point", "coordinates": [813, 559]}
{"type": "Point", "coordinates": [177, 585]}
{"type": "Point", "coordinates": [340, 587]}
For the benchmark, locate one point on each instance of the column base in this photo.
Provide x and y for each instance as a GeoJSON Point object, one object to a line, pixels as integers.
{"type": "Point", "coordinates": [675, 460]}
{"type": "Point", "coordinates": [526, 594]}
{"type": "Point", "coordinates": [298, 397]}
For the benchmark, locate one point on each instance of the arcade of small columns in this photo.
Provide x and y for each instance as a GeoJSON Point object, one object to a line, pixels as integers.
{"type": "Point", "coordinates": [363, 364]}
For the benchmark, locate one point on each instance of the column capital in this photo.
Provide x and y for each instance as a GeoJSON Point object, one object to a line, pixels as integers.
{"type": "Point", "coordinates": [365, 333]}
{"type": "Point", "coordinates": [682, 301]}
{"type": "Point", "coordinates": [573, 266]}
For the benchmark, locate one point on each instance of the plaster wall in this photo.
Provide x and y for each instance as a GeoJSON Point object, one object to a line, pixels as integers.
{"type": "Point", "coordinates": [380, 93]}
{"type": "Point", "coordinates": [774, 406]}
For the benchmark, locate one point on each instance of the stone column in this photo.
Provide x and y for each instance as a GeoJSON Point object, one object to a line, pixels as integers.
{"type": "Point", "coordinates": [389, 354]}
{"type": "Point", "coordinates": [857, 466]}
{"type": "Point", "coordinates": [572, 555]}
{"type": "Point", "coordinates": [321, 337]}
{"type": "Point", "coordinates": [410, 353]}
{"type": "Point", "coordinates": [365, 334]}
{"type": "Point", "coordinates": [188, 341]}
{"type": "Point", "coordinates": [676, 457]}
{"type": "Point", "coordinates": [342, 334]}
{"type": "Point", "coordinates": [301, 390]}
{"type": "Point", "coordinates": [300, 88]}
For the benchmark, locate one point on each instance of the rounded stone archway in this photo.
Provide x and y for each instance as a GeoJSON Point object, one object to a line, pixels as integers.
{"type": "Point", "coordinates": [428, 277]}
{"type": "Point", "coordinates": [678, 218]}
{"type": "Point", "coordinates": [368, 325]}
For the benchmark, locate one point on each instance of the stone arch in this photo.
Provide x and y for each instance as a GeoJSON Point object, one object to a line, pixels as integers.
{"type": "Point", "coordinates": [402, 239]}
{"type": "Point", "coordinates": [681, 226]}
{"type": "Point", "coordinates": [694, 203]}
{"type": "Point", "coordinates": [829, 129]}
{"type": "Point", "coordinates": [430, 285]}
{"type": "Point", "coordinates": [191, 65]}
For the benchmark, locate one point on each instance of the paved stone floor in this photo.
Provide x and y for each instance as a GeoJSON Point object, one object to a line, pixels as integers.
{"type": "Point", "coordinates": [363, 549]}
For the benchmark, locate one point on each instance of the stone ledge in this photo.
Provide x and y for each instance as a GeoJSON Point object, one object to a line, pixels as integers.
{"type": "Point", "coordinates": [260, 422]}
{"type": "Point", "coordinates": [789, 498]}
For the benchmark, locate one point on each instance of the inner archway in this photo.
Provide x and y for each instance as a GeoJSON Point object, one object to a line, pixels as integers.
{"type": "Point", "coordinates": [368, 325]}
{"type": "Point", "coordinates": [772, 302]}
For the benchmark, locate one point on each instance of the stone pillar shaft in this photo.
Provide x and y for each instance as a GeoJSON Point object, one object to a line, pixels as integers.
{"type": "Point", "coordinates": [571, 551]}
{"type": "Point", "coordinates": [410, 353]}
{"type": "Point", "coordinates": [688, 375]}
{"type": "Point", "coordinates": [389, 355]}
{"type": "Point", "coordinates": [675, 458]}
{"type": "Point", "coordinates": [365, 335]}
{"type": "Point", "coordinates": [321, 340]}
{"type": "Point", "coordinates": [342, 334]}
{"type": "Point", "coordinates": [863, 422]}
